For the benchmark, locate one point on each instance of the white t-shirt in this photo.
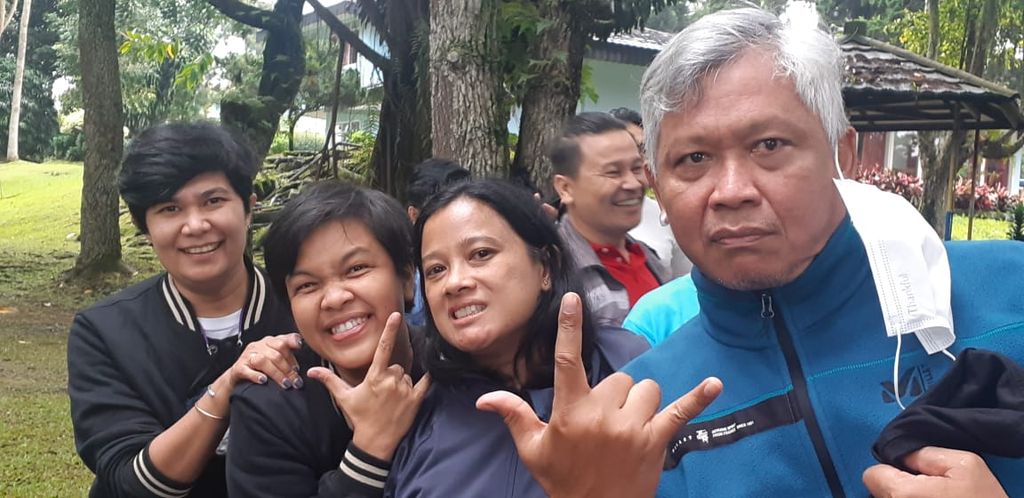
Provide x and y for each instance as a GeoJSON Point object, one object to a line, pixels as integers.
{"type": "Point", "coordinates": [222, 327]}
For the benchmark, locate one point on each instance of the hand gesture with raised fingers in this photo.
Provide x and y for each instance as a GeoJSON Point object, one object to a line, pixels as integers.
{"type": "Point", "coordinates": [383, 406]}
{"type": "Point", "coordinates": [609, 441]}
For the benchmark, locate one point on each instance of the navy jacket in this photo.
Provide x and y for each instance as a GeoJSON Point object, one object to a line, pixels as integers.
{"type": "Point", "coordinates": [454, 449]}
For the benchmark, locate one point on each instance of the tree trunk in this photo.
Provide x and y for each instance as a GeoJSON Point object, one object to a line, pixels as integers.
{"type": "Point", "coordinates": [404, 135]}
{"type": "Point", "coordinates": [102, 126]}
{"type": "Point", "coordinates": [19, 78]}
{"type": "Point", "coordinates": [933, 29]}
{"type": "Point", "coordinates": [941, 162]}
{"type": "Point", "coordinates": [292, 121]}
{"type": "Point", "coordinates": [464, 83]}
{"type": "Point", "coordinates": [284, 64]}
{"type": "Point", "coordinates": [551, 96]}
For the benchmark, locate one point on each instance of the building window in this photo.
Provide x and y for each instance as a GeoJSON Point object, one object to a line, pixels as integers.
{"type": "Point", "coordinates": [902, 153]}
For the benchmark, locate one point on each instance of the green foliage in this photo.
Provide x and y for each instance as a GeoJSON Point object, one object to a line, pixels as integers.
{"type": "Point", "coordinates": [358, 161]}
{"type": "Point", "coordinates": [1004, 64]}
{"type": "Point", "coordinates": [587, 89]}
{"type": "Point", "coordinates": [42, 36]}
{"type": "Point", "coordinates": [38, 116]}
{"type": "Point", "coordinates": [673, 18]}
{"type": "Point", "coordinates": [165, 58]}
{"type": "Point", "coordinates": [69, 145]}
{"type": "Point", "coordinates": [879, 14]}
{"type": "Point", "coordinates": [309, 141]}
{"type": "Point", "coordinates": [280, 143]}
{"type": "Point", "coordinates": [1016, 231]}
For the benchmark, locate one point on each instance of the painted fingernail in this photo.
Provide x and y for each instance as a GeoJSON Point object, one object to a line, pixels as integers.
{"type": "Point", "coordinates": [287, 384]}
{"type": "Point", "coordinates": [299, 340]}
{"type": "Point", "coordinates": [262, 379]}
{"type": "Point", "coordinates": [295, 368]}
{"type": "Point", "coordinates": [299, 383]}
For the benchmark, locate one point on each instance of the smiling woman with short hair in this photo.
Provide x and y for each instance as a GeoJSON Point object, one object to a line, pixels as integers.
{"type": "Point", "coordinates": [151, 368]}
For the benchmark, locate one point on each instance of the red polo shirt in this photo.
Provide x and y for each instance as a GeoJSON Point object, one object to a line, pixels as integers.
{"type": "Point", "coordinates": [633, 274]}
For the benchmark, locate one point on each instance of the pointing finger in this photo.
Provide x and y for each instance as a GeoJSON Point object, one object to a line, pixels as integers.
{"type": "Point", "coordinates": [570, 377]}
{"type": "Point", "coordinates": [386, 346]}
{"type": "Point", "coordinates": [668, 421]}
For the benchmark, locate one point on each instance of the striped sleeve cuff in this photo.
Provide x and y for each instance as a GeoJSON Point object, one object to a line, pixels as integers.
{"type": "Point", "coordinates": [154, 481]}
{"type": "Point", "coordinates": [364, 468]}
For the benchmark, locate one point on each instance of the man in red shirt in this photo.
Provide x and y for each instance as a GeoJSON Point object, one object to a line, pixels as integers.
{"type": "Point", "coordinates": [598, 171]}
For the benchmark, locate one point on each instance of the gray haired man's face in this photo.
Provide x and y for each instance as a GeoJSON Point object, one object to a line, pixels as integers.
{"type": "Point", "coordinates": [745, 177]}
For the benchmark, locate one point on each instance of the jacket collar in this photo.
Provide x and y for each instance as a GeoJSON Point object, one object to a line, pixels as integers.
{"type": "Point", "coordinates": [252, 311]}
{"type": "Point", "coordinates": [838, 273]}
{"type": "Point", "coordinates": [584, 256]}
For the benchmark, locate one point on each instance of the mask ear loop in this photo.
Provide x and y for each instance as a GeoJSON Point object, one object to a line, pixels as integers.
{"type": "Point", "coordinates": [835, 162]}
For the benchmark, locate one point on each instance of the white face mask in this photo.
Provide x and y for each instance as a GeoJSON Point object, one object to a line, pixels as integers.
{"type": "Point", "coordinates": [909, 265]}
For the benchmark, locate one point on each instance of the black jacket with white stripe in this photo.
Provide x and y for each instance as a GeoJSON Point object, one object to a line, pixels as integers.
{"type": "Point", "coordinates": [298, 444]}
{"type": "Point", "coordinates": [137, 361]}
{"type": "Point", "coordinates": [287, 443]}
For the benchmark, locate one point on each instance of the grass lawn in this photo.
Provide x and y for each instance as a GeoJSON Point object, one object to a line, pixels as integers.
{"type": "Point", "coordinates": [984, 229]}
{"type": "Point", "coordinates": [39, 205]}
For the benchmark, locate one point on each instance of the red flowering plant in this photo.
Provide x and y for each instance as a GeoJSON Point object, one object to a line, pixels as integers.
{"type": "Point", "coordinates": [897, 182]}
{"type": "Point", "coordinates": [986, 198]}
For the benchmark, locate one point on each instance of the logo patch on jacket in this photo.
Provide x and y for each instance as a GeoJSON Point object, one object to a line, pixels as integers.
{"type": "Point", "coordinates": [914, 381]}
{"type": "Point", "coordinates": [768, 414]}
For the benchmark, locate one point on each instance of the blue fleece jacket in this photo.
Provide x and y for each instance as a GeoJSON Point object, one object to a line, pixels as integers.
{"type": "Point", "coordinates": [808, 372]}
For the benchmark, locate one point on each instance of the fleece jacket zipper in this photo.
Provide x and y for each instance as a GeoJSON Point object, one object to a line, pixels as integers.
{"type": "Point", "coordinates": [796, 374]}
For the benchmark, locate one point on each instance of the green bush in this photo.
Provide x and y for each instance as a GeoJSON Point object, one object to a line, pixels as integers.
{"type": "Point", "coordinates": [1016, 231]}
{"type": "Point", "coordinates": [309, 141]}
{"type": "Point", "coordinates": [304, 140]}
{"type": "Point", "coordinates": [280, 143]}
{"type": "Point", "coordinates": [69, 146]}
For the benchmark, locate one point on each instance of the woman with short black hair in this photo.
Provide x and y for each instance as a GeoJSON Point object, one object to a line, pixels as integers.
{"type": "Point", "coordinates": [341, 255]}
{"type": "Point", "coordinates": [150, 369]}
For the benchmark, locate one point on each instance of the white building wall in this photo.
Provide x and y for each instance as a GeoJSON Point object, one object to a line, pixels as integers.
{"type": "Point", "coordinates": [617, 85]}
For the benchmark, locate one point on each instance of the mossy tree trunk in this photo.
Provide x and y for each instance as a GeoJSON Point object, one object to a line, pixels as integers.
{"type": "Point", "coordinates": [102, 126]}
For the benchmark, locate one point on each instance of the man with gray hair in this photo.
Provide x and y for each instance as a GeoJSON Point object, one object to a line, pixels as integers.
{"type": "Point", "coordinates": [745, 124]}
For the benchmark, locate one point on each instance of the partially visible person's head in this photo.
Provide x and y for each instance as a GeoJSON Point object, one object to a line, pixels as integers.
{"type": "Point", "coordinates": [429, 177]}
{"type": "Point", "coordinates": [188, 187]}
{"type": "Point", "coordinates": [634, 124]}
{"type": "Point", "coordinates": [743, 118]}
{"type": "Point", "coordinates": [341, 254]}
{"type": "Point", "coordinates": [597, 167]}
{"type": "Point", "coordinates": [494, 272]}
